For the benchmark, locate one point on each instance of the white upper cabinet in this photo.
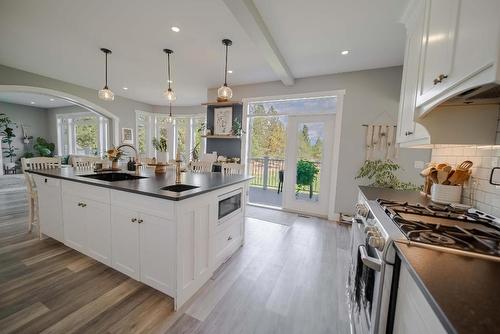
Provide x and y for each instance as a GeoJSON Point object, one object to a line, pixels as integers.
{"type": "Point", "coordinates": [460, 49]}
{"type": "Point", "coordinates": [408, 130]}
{"type": "Point", "coordinates": [440, 23]}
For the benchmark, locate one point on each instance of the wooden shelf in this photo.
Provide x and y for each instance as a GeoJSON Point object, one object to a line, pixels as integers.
{"type": "Point", "coordinates": [221, 104]}
{"type": "Point", "coordinates": [221, 137]}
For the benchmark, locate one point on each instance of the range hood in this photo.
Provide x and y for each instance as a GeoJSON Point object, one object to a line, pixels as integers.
{"type": "Point", "coordinates": [469, 118]}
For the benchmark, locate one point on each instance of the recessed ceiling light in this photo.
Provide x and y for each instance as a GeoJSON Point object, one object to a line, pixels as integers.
{"type": "Point", "coordinates": [175, 29]}
{"type": "Point", "coordinates": [345, 52]}
{"type": "Point", "coordinates": [125, 88]}
{"type": "Point", "coordinates": [51, 100]}
{"type": "Point", "coordinates": [230, 71]}
{"type": "Point", "coordinates": [32, 102]}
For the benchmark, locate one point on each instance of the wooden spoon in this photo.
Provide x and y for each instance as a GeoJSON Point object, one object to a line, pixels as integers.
{"type": "Point", "coordinates": [459, 177]}
{"type": "Point", "coordinates": [466, 165]}
{"type": "Point", "coordinates": [434, 176]}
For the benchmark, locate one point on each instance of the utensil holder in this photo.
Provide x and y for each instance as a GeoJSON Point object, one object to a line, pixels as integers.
{"type": "Point", "coordinates": [445, 194]}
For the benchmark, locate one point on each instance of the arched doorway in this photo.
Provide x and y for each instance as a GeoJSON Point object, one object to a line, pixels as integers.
{"type": "Point", "coordinates": [76, 100]}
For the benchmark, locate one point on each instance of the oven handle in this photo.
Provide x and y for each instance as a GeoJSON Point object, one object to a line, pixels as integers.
{"type": "Point", "coordinates": [369, 261]}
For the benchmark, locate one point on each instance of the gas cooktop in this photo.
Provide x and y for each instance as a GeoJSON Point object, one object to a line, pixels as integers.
{"type": "Point", "coordinates": [445, 227]}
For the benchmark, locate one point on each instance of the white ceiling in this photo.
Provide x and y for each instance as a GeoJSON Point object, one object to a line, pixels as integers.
{"type": "Point", "coordinates": [33, 100]}
{"type": "Point", "coordinates": [61, 39]}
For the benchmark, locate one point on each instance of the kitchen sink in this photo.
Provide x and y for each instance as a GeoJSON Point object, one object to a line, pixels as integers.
{"type": "Point", "coordinates": [178, 188]}
{"type": "Point", "coordinates": [111, 177]}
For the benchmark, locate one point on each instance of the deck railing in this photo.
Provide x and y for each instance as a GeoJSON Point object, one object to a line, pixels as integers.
{"type": "Point", "coordinates": [266, 170]}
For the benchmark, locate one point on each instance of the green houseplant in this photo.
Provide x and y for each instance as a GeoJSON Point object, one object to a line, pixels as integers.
{"type": "Point", "coordinates": [382, 174]}
{"type": "Point", "coordinates": [7, 132]}
{"type": "Point", "coordinates": [44, 148]}
{"type": "Point", "coordinates": [160, 145]}
{"type": "Point", "coordinates": [307, 172]}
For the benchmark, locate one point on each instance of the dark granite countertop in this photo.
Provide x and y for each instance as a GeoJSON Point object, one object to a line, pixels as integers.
{"type": "Point", "coordinates": [152, 184]}
{"type": "Point", "coordinates": [463, 291]}
{"type": "Point", "coordinates": [410, 196]}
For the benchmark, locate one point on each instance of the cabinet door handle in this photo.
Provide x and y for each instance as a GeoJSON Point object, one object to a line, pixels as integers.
{"type": "Point", "coordinates": [440, 78]}
{"type": "Point", "coordinates": [140, 221]}
{"type": "Point", "coordinates": [133, 220]}
{"type": "Point", "coordinates": [229, 238]}
{"type": "Point", "coordinates": [408, 133]}
{"type": "Point", "coordinates": [84, 205]}
{"type": "Point", "coordinates": [46, 180]}
{"type": "Point", "coordinates": [80, 204]}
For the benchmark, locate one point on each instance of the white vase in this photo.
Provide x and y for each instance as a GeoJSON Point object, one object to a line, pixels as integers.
{"type": "Point", "coordinates": [162, 157]}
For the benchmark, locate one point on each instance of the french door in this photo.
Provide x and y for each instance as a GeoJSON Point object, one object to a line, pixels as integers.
{"type": "Point", "coordinates": [308, 163]}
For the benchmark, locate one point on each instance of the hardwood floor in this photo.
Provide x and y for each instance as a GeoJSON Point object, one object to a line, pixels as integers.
{"type": "Point", "coordinates": [288, 278]}
{"type": "Point", "coordinates": [46, 287]}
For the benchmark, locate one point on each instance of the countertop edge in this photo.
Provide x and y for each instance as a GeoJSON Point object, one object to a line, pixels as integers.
{"type": "Point", "coordinates": [441, 315]}
{"type": "Point", "coordinates": [110, 186]}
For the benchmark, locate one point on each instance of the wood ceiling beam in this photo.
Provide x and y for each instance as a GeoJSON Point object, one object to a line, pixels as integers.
{"type": "Point", "coordinates": [248, 16]}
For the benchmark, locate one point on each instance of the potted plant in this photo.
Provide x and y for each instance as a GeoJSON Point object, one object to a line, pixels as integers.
{"type": "Point", "coordinates": [160, 145]}
{"type": "Point", "coordinates": [114, 155]}
{"type": "Point", "coordinates": [7, 132]}
{"type": "Point", "coordinates": [44, 148]}
{"type": "Point", "coordinates": [382, 174]}
{"type": "Point", "coordinates": [307, 172]}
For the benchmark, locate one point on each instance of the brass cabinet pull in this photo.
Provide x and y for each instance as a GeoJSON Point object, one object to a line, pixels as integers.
{"type": "Point", "coordinates": [440, 78]}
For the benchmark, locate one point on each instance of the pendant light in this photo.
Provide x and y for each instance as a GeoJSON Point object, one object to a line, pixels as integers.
{"type": "Point", "coordinates": [170, 119]}
{"type": "Point", "coordinates": [106, 94]}
{"type": "Point", "coordinates": [224, 93]}
{"type": "Point", "coordinates": [169, 93]}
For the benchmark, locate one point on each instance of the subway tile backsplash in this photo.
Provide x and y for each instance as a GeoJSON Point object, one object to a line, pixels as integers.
{"type": "Point", "coordinates": [478, 192]}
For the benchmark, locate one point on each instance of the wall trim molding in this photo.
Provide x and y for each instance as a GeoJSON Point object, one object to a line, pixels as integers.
{"type": "Point", "coordinates": [76, 100]}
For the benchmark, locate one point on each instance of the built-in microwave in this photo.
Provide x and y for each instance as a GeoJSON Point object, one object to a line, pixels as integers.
{"type": "Point", "coordinates": [230, 204]}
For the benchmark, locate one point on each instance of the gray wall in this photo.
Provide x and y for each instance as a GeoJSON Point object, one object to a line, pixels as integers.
{"type": "Point", "coordinates": [121, 107]}
{"type": "Point", "coordinates": [35, 118]}
{"type": "Point", "coordinates": [372, 96]}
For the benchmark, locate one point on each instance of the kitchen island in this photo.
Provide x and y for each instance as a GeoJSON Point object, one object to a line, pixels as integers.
{"type": "Point", "coordinates": [168, 239]}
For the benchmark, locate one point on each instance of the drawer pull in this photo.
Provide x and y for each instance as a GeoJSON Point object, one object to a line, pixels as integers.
{"type": "Point", "coordinates": [229, 238]}
{"type": "Point", "coordinates": [440, 78]}
{"type": "Point", "coordinates": [133, 220]}
{"type": "Point", "coordinates": [140, 221]}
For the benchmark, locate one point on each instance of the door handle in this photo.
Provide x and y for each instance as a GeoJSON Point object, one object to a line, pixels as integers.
{"type": "Point", "coordinates": [369, 261]}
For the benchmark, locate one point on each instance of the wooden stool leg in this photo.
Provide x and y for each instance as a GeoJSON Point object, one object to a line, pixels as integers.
{"type": "Point", "coordinates": [30, 215]}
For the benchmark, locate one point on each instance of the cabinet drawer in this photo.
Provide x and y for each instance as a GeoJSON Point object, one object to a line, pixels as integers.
{"type": "Point", "coordinates": [46, 181]}
{"type": "Point", "coordinates": [94, 193]}
{"type": "Point", "coordinates": [154, 206]}
{"type": "Point", "coordinates": [223, 224]}
{"type": "Point", "coordinates": [227, 240]}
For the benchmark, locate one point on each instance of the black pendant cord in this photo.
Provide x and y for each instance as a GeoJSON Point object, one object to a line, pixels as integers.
{"type": "Point", "coordinates": [168, 69]}
{"type": "Point", "coordinates": [170, 109]}
{"type": "Point", "coordinates": [225, 69]}
{"type": "Point", "coordinates": [106, 71]}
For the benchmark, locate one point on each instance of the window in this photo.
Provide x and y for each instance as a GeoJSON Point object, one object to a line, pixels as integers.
{"type": "Point", "coordinates": [183, 135]}
{"type": "Point", "coordinates": [83, 133]}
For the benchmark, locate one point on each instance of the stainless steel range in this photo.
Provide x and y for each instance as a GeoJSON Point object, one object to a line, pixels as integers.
{"type": "Point", "coordinates": [378, 224]}
{"type": "Point", "coordinates": [467, 232]}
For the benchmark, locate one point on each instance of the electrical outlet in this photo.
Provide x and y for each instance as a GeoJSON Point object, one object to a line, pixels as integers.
{"type": "Point", "coordinates": [419, 164]}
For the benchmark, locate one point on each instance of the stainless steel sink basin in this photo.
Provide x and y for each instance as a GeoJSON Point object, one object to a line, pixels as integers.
{"type": "Point", "coordinates": [178, 188]}
{"type": "Point", "coordinates": [111, 177]}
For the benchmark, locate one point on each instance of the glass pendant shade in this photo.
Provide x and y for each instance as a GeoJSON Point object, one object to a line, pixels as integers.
{"type": "Point", "coordinates": [169, 94]}
{"type": "Point", "coordinates": [224, 93]}
{"type": "Point", "coordinates": [106, 94]}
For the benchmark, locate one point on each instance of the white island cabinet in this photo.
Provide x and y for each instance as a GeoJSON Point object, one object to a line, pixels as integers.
{"type": "Point", "coordinates": [414, 315]}
{"type": "Point", "coordinates": [172, 246]}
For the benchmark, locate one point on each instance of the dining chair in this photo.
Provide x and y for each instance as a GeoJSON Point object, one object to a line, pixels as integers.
{"type": "Point", "coordinates": [232, 168]}
{"type": "Point", "coordinates": [34, 164]}
{"type": "Point", "coordinates": [200, 166]}
{"type": "Point", "coordinates": [86, 162]}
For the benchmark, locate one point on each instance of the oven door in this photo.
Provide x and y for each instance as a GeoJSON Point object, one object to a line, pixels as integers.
{"type": "Point", "coordinates": [365, 281]}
